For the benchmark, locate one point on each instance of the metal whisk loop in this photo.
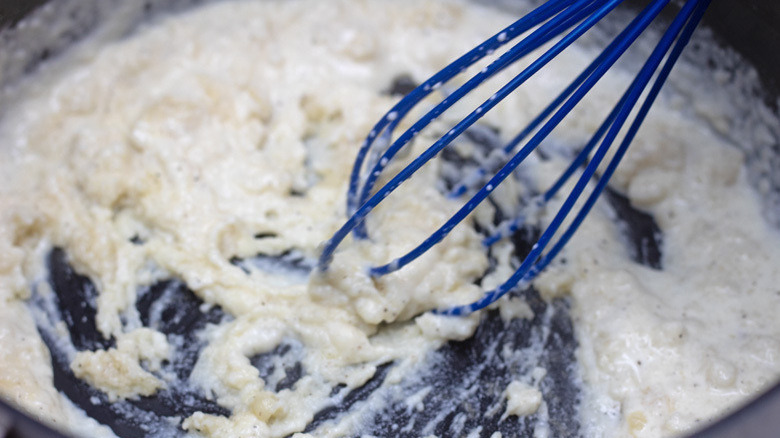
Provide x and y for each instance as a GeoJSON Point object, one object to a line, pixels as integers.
{"type": "Point", "coordinates": [557, 18]}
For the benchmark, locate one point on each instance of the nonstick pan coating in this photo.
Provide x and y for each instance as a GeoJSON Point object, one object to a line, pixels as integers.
{"type": "Point", "coordinates": [751, 27]}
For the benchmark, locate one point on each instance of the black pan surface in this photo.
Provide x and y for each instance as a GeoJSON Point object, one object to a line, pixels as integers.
{"type": "Point", "coordinates": [475, 364]}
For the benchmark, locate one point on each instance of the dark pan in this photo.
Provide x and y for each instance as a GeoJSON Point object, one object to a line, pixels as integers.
{"type": "Point", "coordinates": [475, 363]}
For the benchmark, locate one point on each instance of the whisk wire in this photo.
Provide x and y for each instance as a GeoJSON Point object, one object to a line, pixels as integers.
{"type": "Point", "coordinates": [462, 188]}
{"type": "Point", "coordinates": [551, 19]}
{"type": "Point", "coordinates": [380, 135]}
{"type": "Point", "coordinates": [692, 14]}
{"type": "Point", "coordinates": [687, 20]}
{"type": "Point", "coordinates": [636, 28]}
{"type": "Point", "coordinates": [506, 230]}
{"type": "Point", "coordinates": [398, 111]}
{"type": "Point", "coordinates": [536, 39]}
{"type": "Point", "coordinates": [577, 12]}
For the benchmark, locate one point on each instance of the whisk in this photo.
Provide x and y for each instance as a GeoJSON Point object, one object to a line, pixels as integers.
{"type": "Point", "coordinates": [566, 21]}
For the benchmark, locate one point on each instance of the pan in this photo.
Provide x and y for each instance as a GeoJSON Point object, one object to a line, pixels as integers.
{"type": "Point", "coordinates": [752, 29]}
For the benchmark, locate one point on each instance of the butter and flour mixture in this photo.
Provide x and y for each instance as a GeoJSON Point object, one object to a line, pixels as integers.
{"type": "Point", "coordinates": [209, 151]}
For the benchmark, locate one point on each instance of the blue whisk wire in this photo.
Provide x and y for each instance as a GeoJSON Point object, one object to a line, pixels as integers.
{"type": "Point", "coordinates": [552, 19]}
{"type": "Point", "coordinates": [689, 17]}
{"type": "Point", "coordinates": [394, 116]}
{"type": "Point", "coordinates": [551, 28]}
{"type": "Point", "coordinates": [536, 39]}
{"type": "Point", "coordinates": [580, 158]}
{"type": "Point", "coordinates": [615, 51]}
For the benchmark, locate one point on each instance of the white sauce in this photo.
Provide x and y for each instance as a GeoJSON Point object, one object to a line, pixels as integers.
{"type": "Point", "coordinates": [191, 134]}
{"type": "Point", "coordinates": [522, 399]}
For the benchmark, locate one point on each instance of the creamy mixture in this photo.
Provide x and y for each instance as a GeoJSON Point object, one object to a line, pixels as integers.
{"type": "Point", "coordinates": [229, 131]}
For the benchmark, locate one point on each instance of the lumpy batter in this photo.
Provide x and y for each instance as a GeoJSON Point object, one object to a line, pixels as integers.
{"type": "Point", "coordinates": [228, 131]}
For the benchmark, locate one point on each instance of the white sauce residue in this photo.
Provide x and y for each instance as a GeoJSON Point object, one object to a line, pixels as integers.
{"type": "Point", "coordinates": [522, 399]}
{"type": "Point", "coordinates": [229, 131]}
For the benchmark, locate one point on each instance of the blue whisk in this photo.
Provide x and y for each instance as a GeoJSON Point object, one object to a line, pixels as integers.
{"type": "Point", "coordinates": [566, 20]}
